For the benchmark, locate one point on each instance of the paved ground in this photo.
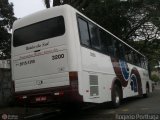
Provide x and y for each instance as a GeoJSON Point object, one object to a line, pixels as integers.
{"type": "Point", "coordinates": [21, 112]}
{"type": "Point", "coordinates": [134, 106]}
{"type": "Point", "coordinates": [137, 108]}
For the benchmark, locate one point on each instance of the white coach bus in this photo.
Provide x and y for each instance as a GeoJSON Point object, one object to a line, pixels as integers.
{"type": "Point", "coordinates": [60, 55]}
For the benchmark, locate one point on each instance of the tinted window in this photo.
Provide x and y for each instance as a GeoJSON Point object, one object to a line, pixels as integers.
{"type": "Point", "coordinates": [128, 54]}
{"type": "Point", "coordinates": [39, 31]}
{"type": "Point", "coordinates": [113, 48]}
{"type": "Point", "coordinates": [136, 60]}
{"type": "Point", "coordinates": [95, 37]}
{"type": "Point", "coordinates": [143, 62]}
{"type": "Point", "coordinates": [146, 64]}
{"type": "Point", "coordinates": [121, 51]}
{"type": "Point", "coordinates": [84, 33]}
{"type": "Point", "coordinates": [106, 42]}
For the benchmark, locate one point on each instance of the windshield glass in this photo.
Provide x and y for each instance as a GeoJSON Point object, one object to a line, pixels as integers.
{"type": "Point", "coordinates": [39, 31]}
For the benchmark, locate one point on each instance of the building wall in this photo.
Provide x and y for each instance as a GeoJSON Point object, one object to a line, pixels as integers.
{"type": "Point", "coordinates": [6, 85]}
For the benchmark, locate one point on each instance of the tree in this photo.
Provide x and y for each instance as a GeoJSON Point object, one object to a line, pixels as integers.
{"type": "Point", "coordinates": [155, 78]}
{"type": "Point", "coordinates": [6, 21]}
{"type": "Point", "coordinates": [79, 4]}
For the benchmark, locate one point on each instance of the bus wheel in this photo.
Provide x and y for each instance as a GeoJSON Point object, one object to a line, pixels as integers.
{"type": "Point", "coordinates": [116, 96]}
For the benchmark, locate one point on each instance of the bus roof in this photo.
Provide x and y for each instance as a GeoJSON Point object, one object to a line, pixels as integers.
{"type": "Point", "coordinates": [39, 16]}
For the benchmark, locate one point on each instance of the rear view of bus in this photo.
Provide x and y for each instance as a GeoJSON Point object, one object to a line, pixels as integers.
{"type": "Point", "coordinates": [40, 58]}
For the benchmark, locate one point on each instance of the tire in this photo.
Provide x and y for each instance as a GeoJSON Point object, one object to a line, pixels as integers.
{"type": "Point", "coordinates": [116, 96]}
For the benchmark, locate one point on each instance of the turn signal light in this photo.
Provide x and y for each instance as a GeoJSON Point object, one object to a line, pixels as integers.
{"type": "Point", "coordinates": [73, 76]}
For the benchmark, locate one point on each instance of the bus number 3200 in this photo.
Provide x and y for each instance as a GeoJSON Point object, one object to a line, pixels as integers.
{"type": "Point", "coordinates": [55, 57]}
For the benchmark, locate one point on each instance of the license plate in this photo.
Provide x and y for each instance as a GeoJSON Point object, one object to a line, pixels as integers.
{"type": "Point", "coordinates": [41, 98]}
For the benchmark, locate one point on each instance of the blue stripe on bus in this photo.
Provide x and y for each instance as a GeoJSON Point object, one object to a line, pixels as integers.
{"type": "Point", "coordinates": [124, 69]}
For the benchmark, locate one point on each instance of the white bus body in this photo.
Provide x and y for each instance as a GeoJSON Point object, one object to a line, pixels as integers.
{"type": "Point", "coordinates": [50, 68]}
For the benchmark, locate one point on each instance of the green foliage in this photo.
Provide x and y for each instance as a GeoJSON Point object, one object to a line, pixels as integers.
{"type": "Point", "coordinates": [6, 21]}
{"type": "Point", "coordinates": [78, 4]}
{"type": "Point", "coordinates": [155, 78]}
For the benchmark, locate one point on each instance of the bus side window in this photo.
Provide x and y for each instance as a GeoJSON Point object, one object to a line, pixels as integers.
{"type": "Point", "coordinates": [117, 52]}
{"type": "Point", "coordinates": [121, 51]}
{"type": "Point", "coordinates": [95, 37]}
{"type": "Point", "coordinates": [140, 64]}
{"type": "Point", "coordinates": [144, 63]}
{"type": "Point", "coordinates": [128, 54]}
{"type": "Point", "coordinates": [136, 60]}
{"type": "Point", "coordinates": [110, 47]}
{"type": "Point", "coordinates": [113, 48]}
{"type": "Point", "coordinates": [105, 42]}
{"type": "Point", "coordinates": [84, 32]}
{"type": "Point", "coordinates": [118, 49]}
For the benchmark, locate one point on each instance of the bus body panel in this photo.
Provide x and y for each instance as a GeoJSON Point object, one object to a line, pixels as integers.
{"type": "Point", "coordinates": [127, 92]}
{"type": "Point", "coordinates": [45, 63]}
{"type": "Point", "coordinates": [41, 69]}
{"type": "Point", "coordinates": [86, 68]}
{"type": "Point", "coordinates": [41, 82]}
{"type": "Point", "coordinates": [97, 76]}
